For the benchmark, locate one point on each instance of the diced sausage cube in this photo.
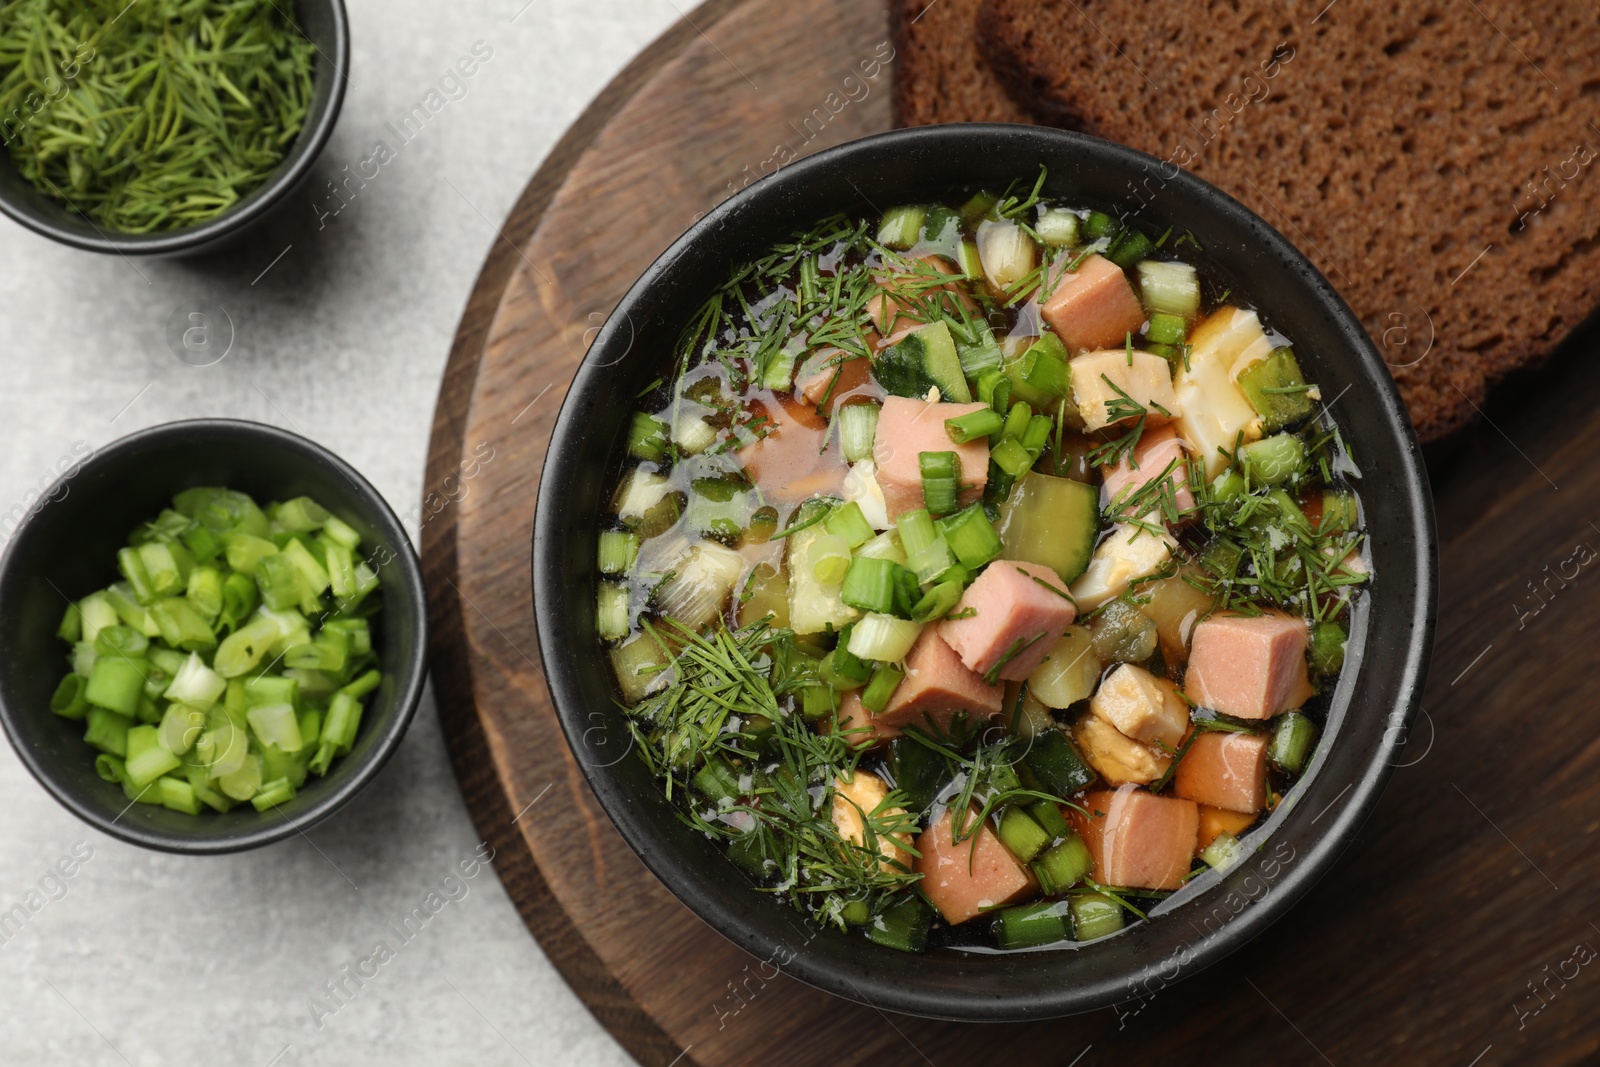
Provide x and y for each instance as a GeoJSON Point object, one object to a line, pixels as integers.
{"type": "Point", "coordinates": [906, 429]}
{"type": "Point", "coordinates": [1145, 377]}
{"type": "Point", "coordinates": [937, 686]}
{"type": "Point", "coordinates": [893, 309]}
{"type": "Point", "coordinates": [1224, 770]}
{"type": "Point", "coordinates": [1116, 757]}
{"type": "Point", "coordinates": [836, 382]}
{"type": "Point", "coordinates": [859, 726]}
{"type": "Point", "coordinates": [1158, 450]}
{"type": "Point", "coordinates": [1012, 616]}
{"type": "Point", "coordinates": [1142, 706]}
{"type": "Point", "coordinates": [965, 879]}
{"type": "Point", "coordinates": [1137, 839]}
{"type": "Point", "coordinates": [1094, 306]}
{"type": "Point", "coordinates": [1251, 668]}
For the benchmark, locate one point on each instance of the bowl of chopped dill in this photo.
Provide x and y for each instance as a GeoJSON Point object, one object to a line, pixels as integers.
{"type": "Point", "coordinates": [165, 127]}
{"type": "Point", "coordinates": [985, 571]}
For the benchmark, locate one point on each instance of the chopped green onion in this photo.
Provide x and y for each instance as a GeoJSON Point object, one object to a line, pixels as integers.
{"type": "Point", "coordinates": [1017, 420]}
{"type": "Point", "coordinates": [1043, 922]}
{"type": "Point", "coordinates": [778, 374]}
{"type": "Point", "coordinates": [1094, 916]}
{"type": "Point", "coordinates": [1037, 435]}
{"type": "Point", "coordinates": [1327, 647]}
{"type": "Point", "coordinates": [648, 438]}
{"type": "Point", "coordinates": [277, 725]}
{"type": "Point", "coordinates": [1166, 329]}
{"type": "Point", "coordinates": [916, 530]}
{"type": "Point", "coordinates": [973, 425]}
{"type": "Point", "coordinates": [182, 625]}
{"type": "Point", "coordinates": [1098, 225]}
{"type": "Point", "coordinates": [885, 680]}
{"type": "Point", "coordinates": [1011, 457]}
{"type": "Point", "coordinates": [95, 612]}
{"type": "Point", "coordinates": [69, 700]}
{"type": "Point", "coordinates": [108, 731]}
{"type": "Point", "coordinates": [882, 637]}
{"type": "Point", "coordinates": [986, 385]}
{"type": "Point", "coordinates": [884, 546]}
{"type": "Point", "coordinates": [901, 227]}
{"type": "Point", "coordinates": [1045, 366]}
{"type": "Point", "coordinates": [903, 925]}
{"type": "Point", "coordinates": [618, 550]}
{"type": "Point", "coordinates": [147, 760]}
{"type": "Point", "coordinates": [937, 602]}
{"type": "Point", "coordinates": [116, 684]}
{"type": "Point", "coordinates": [121, 641]}
{"type": "Point", "coordinates": [180, 728]}
{"type": "Point", "coordinates": [244, 551]}
{"type": "Point", "coordinates": [178, 795]}
{"type": "Point", "coordinates": [205, 591]}
{"type": "Point", "coordinates": [611, 613]}
{"type": "Point", "coordinates": [195, 684]}
{"type": "Point", "coordinates": [1129, 247]}
{"type": "Point", "coordinates": [131, 564]}
{"type": "Point", "coordinates": [982, 352]}
{"type": "Point", "coordinates": [1272, 460]}
{"type": "Point", "coordinates": [1170, 287]}
{"type": "Point", "coordinates": [1223, 852]}
{"type": "Point", "coordinates": [848, 522]}
{"type": "Point", "coordinates": [110, 769]}
{"type": "Point", "coordinates": [933, 562]}
{"type": "Point", "coordinates": [244, 782]}
{"type": "Point", "coordinates": [71, 628]}
{"type": "Point", "coordinates": [971, 537]}
{"type": "Point", "coordinates": [858, 428]}
{"type": "Point", "coordinates": [940, 486]}
{"type": "Point", "coordinates": [1063, 865]}
{"type": "Point", "coordinates": [1291, 742]}
{"type": "Point", "coordinates": [869, 584]}
{"type": "Point", "coordinates": [692, 434]}
{"type": "Point", "coordinates": [1057, 227]}
{"type": "Point", "coordinates": [1019, 833]}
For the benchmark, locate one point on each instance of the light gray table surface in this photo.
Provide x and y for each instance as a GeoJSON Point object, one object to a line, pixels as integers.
{"type": "Point", "coordinates": [142, 958]}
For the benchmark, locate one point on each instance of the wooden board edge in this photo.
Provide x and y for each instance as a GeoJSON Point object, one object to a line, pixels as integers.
{"type": "Point", "coordinates": [448, 655]}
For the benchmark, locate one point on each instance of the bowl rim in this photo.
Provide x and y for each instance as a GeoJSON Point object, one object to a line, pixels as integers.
{"type": "Point", "coordinates": [681, 874]}
{"type": "Point", "coordinates": [408, 691]}
{"type": "Point", "coordinates": [304, 152]}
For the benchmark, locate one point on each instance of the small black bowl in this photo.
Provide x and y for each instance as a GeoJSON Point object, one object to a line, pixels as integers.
{"type": "Point", "coordinates": [67, 548]}
{"type": "Point", "coordinates": [1391, 632]}
{"type": "Point", "coordinates": [324, 24]}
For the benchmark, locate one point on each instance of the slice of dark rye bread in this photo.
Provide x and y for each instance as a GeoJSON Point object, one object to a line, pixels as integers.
{"type": "Point", "coordinates": [939, 75]}
{"type": "Point", "coordinates": [1434, 159]}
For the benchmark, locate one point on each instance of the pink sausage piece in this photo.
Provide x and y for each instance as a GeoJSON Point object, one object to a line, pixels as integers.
{"type": "Point", "coordinates": [1010, 619]}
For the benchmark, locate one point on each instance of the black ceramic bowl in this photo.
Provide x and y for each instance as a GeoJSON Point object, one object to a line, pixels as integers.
{"type": "Point", "coordinates": [325, 25]}
{"type": "Point", "coordinates": [68, 548]}
{"type": "Point", "coordinates": [1390, 635]}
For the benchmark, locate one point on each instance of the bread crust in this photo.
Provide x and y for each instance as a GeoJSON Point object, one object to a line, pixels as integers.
{"type": "Point", "coordinates": [940, 75]}
{"type": "Point", "coordinates": [1437, 167]}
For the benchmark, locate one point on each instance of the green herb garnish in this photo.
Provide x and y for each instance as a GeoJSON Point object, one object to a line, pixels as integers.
{"type": "Point", "coordinates": [152, 115]}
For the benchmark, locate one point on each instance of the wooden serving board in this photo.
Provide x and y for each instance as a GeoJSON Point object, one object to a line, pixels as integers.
{"type": "Point", "coordinates": [1456, 929]}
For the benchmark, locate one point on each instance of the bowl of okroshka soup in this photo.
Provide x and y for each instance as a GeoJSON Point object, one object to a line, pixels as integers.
{"type": "Point", "coordinates": [983, 566]}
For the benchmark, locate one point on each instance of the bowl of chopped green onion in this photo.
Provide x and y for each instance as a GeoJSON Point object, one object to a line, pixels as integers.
{"type": "Point", "coordinates": [163, 127]}
{"type": "Point", "coordinates": [211, 636]}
